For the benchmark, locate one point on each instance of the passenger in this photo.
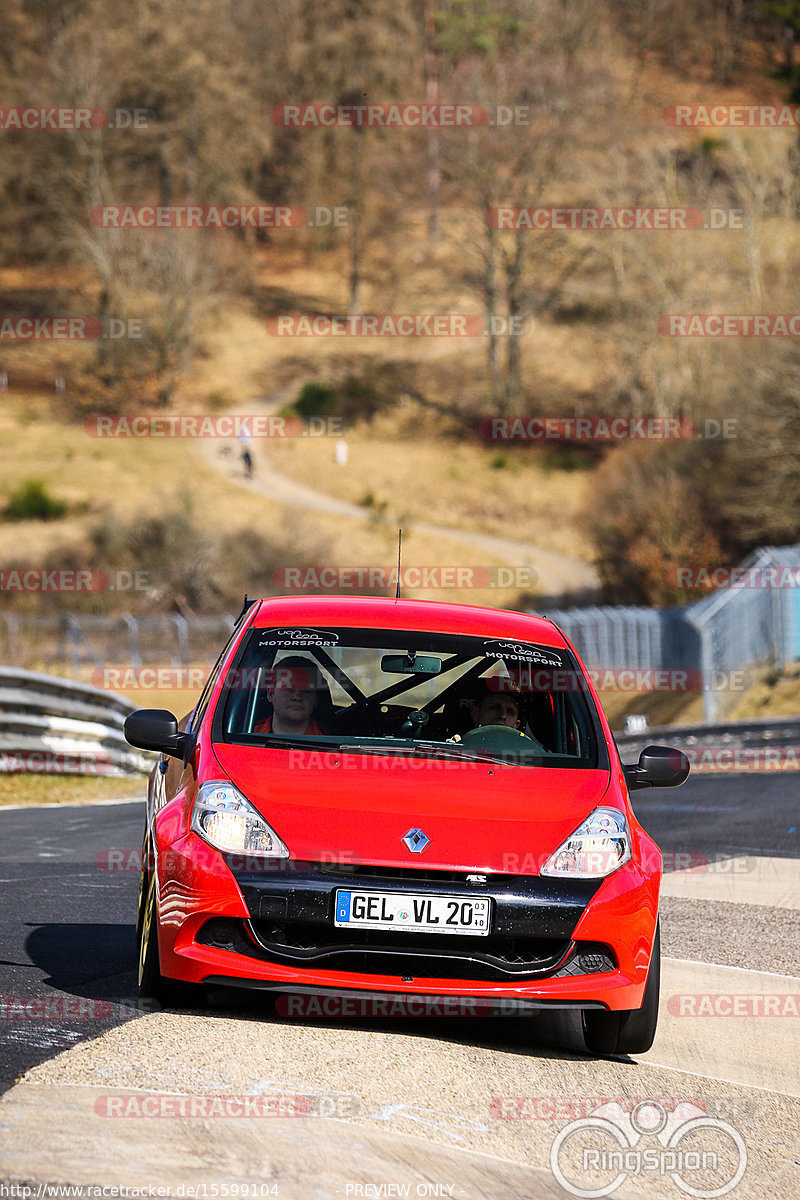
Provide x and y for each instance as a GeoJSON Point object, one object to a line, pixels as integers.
{"type": "Point", "coordinates": [297, 690]}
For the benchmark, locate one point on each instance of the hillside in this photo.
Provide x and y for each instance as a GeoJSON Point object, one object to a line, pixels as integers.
{"type": "Point", "coordinates": [587, 134]}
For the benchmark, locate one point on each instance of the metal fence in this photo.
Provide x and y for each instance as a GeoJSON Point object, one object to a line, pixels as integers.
{"type": "Point", "coordinates": [751, 624]}
{"type": "Point", "coordinates": [79, 646]}
{"type": "Point", "coordinates": [734, 629]}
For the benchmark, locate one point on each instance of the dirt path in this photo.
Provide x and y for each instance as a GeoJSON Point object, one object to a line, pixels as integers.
{"type": "Point", "coordinates": [558, 574]}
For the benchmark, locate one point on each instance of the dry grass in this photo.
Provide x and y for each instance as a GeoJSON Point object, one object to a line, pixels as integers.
{"type": "Point", "coordinates": [391, 468]}
{"type": "Point", "coordinates": [69, 789]}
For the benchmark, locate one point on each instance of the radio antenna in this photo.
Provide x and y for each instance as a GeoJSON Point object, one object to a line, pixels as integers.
{"type": "Point", "coordinates": [399, 545]}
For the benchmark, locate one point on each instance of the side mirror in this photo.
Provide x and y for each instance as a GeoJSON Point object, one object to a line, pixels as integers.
{"type": "Point", "coordinates": [658, 766]}
{"type": "Point", "coordinates": [156, 729]}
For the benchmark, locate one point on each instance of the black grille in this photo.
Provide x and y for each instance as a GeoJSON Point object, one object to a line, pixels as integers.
{"type": "Point", "coordinates": [430, 956]}
{"type": "Point", "coordinates": [415, 874]}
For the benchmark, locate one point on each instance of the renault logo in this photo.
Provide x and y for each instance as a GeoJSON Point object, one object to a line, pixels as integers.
{"type": "Point", "coordinates": [416, 841]}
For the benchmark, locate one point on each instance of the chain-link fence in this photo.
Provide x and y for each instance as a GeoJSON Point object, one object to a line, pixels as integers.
{"type": "Point", "coordinates": [77, 646]}
{"type": "Point", "coordinates": [753, 622]}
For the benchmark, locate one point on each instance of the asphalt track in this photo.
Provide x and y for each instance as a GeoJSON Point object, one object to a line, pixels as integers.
{"type": "Point", "coordinates": [473, 1106]}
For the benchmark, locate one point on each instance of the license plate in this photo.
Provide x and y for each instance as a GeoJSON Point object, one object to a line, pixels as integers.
{"type": "Point", "coordinates": [425, 914]}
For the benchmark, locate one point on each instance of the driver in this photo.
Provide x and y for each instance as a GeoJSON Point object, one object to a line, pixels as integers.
{"type": "Point", "coordinates": [496, 707]}
{"type": "Point", "coordinates": [294, 696]}
{"type": "Point", "coordinates": [498, 703]}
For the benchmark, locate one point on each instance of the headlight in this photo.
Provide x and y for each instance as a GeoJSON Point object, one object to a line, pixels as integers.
{"type": "Point", "coordinates": [226, 820]}
{"type": "Point", "coordinates": [596, 848]}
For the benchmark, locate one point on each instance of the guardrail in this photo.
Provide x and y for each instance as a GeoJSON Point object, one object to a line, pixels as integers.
{"type": "Point", "coordinates": [748, 741]}
{"type": "Point", "coordinates": [53, 726]}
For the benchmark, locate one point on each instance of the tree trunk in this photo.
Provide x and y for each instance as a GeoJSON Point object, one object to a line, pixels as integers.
{"type": "Point", "coordinates": [432, 134]}
{"type": "Point", "coordinates": [514, 265]}
{"type": "Point", "coordinates": [490, 295]}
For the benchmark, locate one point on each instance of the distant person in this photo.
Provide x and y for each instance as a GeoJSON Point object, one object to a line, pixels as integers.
{"type": "Point", "coordinates": [3, 381]}
{"type": "Point", "coordinates": [245, 441]}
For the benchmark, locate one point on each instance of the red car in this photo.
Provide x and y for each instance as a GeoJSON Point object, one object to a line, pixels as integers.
{"type": "Point", "coordinates": [408, 799]}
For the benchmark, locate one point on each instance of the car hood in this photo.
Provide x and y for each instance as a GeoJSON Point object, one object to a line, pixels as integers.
{"type": "Point", "coordinates": [357, 808]}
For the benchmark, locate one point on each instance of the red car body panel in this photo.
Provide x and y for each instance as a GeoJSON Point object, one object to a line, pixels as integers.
{"type": "Point", "coordinates": [330, 805]}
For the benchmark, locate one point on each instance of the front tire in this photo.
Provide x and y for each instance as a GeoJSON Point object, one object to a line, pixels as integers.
{"type": "Point", "coordinates": [629, 1031]}
{"type": "Point", "coordinates": [169, 993]}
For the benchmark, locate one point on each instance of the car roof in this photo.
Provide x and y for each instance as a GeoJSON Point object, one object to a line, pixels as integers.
{"type": "Point", "coordinates": [377, 612]}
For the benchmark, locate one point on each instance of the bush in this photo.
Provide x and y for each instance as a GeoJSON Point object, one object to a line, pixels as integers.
{"type": "Point", "coordinates": [316, 400]}
{"type": "Point", "coordinates": [31, 501]}
{"type": "Point", "coordinates": [356, 398]}
{"type": "Point", "coordinates": [648, 518]}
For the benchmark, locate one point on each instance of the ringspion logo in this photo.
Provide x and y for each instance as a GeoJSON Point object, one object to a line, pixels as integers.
{"type": "Point", "coordinates": [702, 1155]}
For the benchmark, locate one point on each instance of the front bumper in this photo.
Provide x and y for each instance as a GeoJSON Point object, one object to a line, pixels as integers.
{"type": "Point", "coordinates": [554, 941]}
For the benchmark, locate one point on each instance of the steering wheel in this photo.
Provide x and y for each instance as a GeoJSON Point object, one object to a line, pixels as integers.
{"type": "Point", "coordinates": [500, 738]}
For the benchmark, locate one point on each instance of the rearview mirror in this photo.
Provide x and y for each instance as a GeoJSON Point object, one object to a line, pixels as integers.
{"type": "Point", "coordinates": [410, 664]}
{"type": "Point", "coordinates": [658, 766]}
{"type": "Point", "coordinates": [156, 729]}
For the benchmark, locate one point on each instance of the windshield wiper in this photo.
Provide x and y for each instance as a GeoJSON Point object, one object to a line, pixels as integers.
{"type": "Point", "coordinates": [303, 741]}
{"type": "Point", "coordinates": [421, 747]}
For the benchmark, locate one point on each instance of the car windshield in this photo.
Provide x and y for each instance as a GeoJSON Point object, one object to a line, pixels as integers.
{"type": "Point", "coordinates": [397, 692]}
